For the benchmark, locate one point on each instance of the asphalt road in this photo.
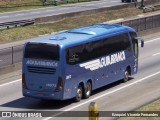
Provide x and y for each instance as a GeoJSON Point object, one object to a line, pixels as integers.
{"type": "Point", "coordinates": [141, 89]}
{"type": "Point", "coordinates": [36, 13]}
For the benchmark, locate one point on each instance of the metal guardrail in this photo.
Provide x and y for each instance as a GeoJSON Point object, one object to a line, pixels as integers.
{"type": "Point", "coordinates": [142, 24]}
{"type": "Point", "coordinates": [13, 55]}
{"type": "Point", "coordinates": [8, 25]}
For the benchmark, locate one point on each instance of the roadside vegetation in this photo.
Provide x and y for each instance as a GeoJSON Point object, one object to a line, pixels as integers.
{"type": "Point", "coordinates": [14, 5]}
{"type": "Point", "coordinates": [154, 106]}
{"type": "Point", "coordinates": [21, 33]}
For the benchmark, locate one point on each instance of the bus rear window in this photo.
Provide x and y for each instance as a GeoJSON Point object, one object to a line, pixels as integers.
{"type": "Point", "coordinates": [42, 51]}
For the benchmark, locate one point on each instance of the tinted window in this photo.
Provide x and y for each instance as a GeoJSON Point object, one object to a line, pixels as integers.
{"type": "Point", "coordinates": [117, 43]}
{"type": "Point", "coordinates": [134, 44]}
{"type": "Point", "coordinates": [42, 51]}
{"type": "Point", "coordinates": [92, 50]}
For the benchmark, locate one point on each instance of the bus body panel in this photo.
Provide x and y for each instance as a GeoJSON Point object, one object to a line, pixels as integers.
{"type": "Point", "coordinates": [46, 81]}
{"type": "Point", "coordinates": [101, 70]}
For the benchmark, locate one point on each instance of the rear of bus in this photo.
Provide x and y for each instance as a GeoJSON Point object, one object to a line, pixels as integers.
{"type": "Point", "coordinates": [41, 71]}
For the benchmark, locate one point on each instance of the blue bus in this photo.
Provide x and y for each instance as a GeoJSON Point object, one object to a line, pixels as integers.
{"type": "Point", "coordinates": [72, 63]}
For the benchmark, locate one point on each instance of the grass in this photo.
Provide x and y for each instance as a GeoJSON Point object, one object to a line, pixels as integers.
{"type": "Point", "coordinates": [21, 33]}
{"type": "Point", "coordinates": [16, 5]}
{"type": "Point", "coordinates": [154, 106]}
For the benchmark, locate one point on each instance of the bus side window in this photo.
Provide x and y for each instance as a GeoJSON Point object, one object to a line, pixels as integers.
{"type": "Point", "coordinates": [126, 42]}
{"type": "Point", "coordinates": [117, 43]}
{"type": "Point", "coordinates": [74, 54]}
{"type": "Point", "coordinates": [97, 50]}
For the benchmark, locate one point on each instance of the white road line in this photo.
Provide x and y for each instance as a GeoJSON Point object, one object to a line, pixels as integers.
{"type": "Point", "coordinates": [100, 3]}
{"type": "Point", "coordinates": [112, 1]}
{"type": "Point", "coordinates": [156, 54]}
{"type": "Point", "coordinates": [50, 10]}
{"type": "Point", "coordinates": [90, 4]}
{"type": "Point", "coordinates": [64, 9]}
{"type": "Point", "coordinates": [153, 40]}
{"type": "Point", "coordinates": [4, 16]}
{"type": "Point", "coordinates": [19, 14]}
{"type": "Point", "coordinates": [10, 82]}
{"type": "Point", "coordinates": [107, 93]}
{"type": "Point", "coordinates": [34, 12]}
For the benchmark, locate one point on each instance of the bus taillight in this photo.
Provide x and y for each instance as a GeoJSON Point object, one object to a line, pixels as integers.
{"type": "Point", "coordinates": [24, 81]}
{"type": "Point", "coordinates": [59, 85]}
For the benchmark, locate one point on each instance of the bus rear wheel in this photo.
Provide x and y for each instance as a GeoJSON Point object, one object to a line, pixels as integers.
{"type": "Point", "coordinates": [126, 76]}
{"type": "Point", "coordinates": [87, 91]}
{"type": "Point", "coordinates": [78, 94]}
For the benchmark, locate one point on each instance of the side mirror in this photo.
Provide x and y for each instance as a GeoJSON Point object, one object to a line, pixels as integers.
{"type": "Point", "coordinates": [141, 40]}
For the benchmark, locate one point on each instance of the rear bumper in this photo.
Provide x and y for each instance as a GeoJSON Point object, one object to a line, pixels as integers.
{"type": "Point", "coordinates": [43, 95]}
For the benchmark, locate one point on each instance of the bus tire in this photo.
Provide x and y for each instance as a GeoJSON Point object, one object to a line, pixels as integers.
{"type": "Point", "coordinates": [87, 90]}
{"type": "Point", "coordinates": [78, 94]}
{"type": "Point", "coordinates": [126, 76]}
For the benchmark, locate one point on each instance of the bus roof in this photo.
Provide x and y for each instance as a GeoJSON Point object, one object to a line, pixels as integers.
{"type": "Point", "coordinates": [82, 34]}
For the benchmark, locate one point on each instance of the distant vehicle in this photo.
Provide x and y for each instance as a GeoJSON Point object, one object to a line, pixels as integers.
{"type": "Point", "coordinates": [129, 0]}
{"type": "Point", "coordinates": [72, 63]}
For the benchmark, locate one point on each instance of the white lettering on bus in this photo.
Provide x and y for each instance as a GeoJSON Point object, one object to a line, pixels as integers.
{"type": "Point", "coordinates": [104, 61]}
{"type": "Point", "coordinates": [42, 63]}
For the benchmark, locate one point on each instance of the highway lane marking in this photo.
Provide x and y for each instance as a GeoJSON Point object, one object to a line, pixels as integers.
{"type": "Point", "coordinates": [19, 14]}
{"type": "Point", "coordinates": [103, 95]}
{"type": "Point", "coordinates": [156, 54]}
{"type": "Point", "coordinates": [50, 10]}
{"type": "Point", "coordinates": [10, 82]}
{"type": "Point", "coordinates": [153, 40]}
{"type": "Point", "coordinates": [34, 12]}
{"type": "Point", "coordinates": [90, 4]}
{"type": "Point", "coordinates": [112, 1]}
{"type": "Point", "coordinates": [4, 16]}
{"type": "Point", "coordinates": [65, 9]}
{"type": "Point", "coordinates": [100, 3]}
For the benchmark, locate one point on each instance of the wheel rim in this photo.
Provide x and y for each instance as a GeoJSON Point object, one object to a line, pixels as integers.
{"type": "Point", "coordinates": [88, 89]}
{"type": "Point", "coordinates": [126, 76]}
{"type": "Point", "coordinates": [79, 93]}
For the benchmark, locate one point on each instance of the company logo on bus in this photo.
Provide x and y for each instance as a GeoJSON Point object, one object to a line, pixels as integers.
{"type": "Point", "coordinates": [42, 63]}
{"type": "Point", "coordinates": [104, 61]}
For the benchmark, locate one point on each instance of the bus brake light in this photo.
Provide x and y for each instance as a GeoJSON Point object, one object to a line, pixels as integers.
{"type": "Point", "coordinates": [59, 85]}
{"type": "Point", "coordinates": [24, 81]}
